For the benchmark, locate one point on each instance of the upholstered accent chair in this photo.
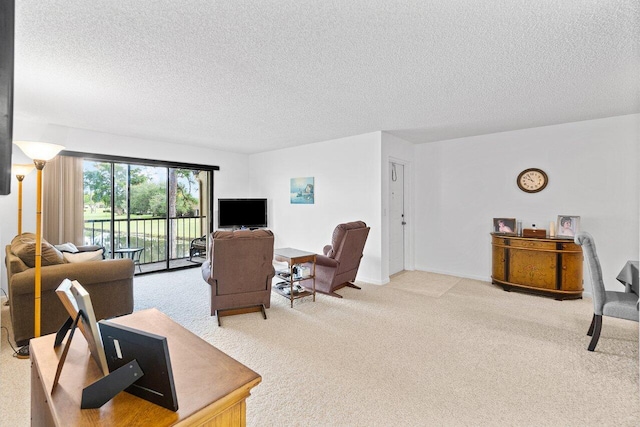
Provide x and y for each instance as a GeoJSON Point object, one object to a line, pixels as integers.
{"type": "Point", "coordinates": [338, 266]}
{"type": "Point", "coordinates": [239, 270]}
{"type": "Point", "coordinates": [198, 247]}
{"type": "Point", "coordinates": [623, 305]}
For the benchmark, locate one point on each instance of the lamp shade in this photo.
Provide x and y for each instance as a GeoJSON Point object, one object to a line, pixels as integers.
{"type": "Point", "coordinates": [22, 168]}
{"type": "Point", "coordinates": [39, 150]}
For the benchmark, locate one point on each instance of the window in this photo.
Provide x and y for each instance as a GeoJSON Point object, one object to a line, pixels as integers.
{"type": "Point", "coordinates": [160, 208]}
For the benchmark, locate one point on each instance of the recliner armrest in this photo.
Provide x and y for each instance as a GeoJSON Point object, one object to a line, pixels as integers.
{"type": "Point", "coordinates": [205, 268]}
{"type": "Point", "coordinates": [325, 261]}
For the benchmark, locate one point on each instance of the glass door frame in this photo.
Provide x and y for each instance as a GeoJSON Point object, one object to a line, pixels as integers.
{"type": "Point", "coordinates": [129, 161]}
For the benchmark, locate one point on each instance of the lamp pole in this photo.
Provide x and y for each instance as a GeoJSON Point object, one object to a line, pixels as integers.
{"type": "Point", "coordinates": [40, 153]}
{"type": "Point", "coordinates": [38, 279]}
{"type": "Point", "coordinates": [20, 178]}
{"type": "Point", "coordinates": [21, 170]}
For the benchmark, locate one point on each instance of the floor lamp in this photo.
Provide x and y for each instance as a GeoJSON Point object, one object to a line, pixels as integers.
{"type": "Point", "coordinates": [21, 170]}
{"type": "Point", "coordinates": [40, 153]}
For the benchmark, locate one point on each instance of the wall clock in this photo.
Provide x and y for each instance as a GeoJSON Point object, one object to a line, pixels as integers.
{"type": "Point", "coordinates": [532, 180]}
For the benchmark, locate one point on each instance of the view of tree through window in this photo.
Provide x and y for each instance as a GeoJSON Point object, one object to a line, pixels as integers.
{"type": "Point", "coordinates": [150, 207]}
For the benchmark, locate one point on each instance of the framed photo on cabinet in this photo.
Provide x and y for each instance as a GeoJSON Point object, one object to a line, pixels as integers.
{"type": "Point", "coordinates": [504, 225]}
{"type": "Point", "coordinates": [568, 225]}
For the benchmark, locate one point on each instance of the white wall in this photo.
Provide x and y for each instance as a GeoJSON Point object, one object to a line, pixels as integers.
{"type": "Point", "coordinates": [347, 188]}
{"type": "Point", "coordinates": [232, 180]}
{"type": "Point", "coordinates": [464, 183]}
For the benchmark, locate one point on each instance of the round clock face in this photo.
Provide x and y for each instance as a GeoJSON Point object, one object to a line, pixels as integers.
{"type": "Point", "coordinates": [532, 180]}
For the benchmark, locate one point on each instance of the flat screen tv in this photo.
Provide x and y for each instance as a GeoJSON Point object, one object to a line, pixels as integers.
{"type": "Point", "coordinates": [239, 213]}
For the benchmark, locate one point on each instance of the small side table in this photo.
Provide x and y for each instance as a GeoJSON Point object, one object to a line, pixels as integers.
{"type": "Point", "coordinates": [133, 253]}
{"type": "Point", "coordinates": [295, 257]}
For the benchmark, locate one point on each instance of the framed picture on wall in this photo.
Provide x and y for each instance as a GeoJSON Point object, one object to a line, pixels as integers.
{"type": "Point", "coordinates": [504, 225]}
{"type": "Point", "coordinates": [302, 191]}
{"type": "Point", "coordinates": [568, 225]}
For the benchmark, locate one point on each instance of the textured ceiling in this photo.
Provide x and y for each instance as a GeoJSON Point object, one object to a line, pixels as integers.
{"type": "Point", "coordinates": [256, 75]}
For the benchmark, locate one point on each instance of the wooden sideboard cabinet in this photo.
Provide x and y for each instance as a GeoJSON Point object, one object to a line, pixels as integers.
{"type": "Point", "coordinates": [548, 266]}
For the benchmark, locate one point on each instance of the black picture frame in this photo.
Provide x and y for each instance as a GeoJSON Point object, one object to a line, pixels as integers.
{"type": "Point", "coordinates": [123, 344]}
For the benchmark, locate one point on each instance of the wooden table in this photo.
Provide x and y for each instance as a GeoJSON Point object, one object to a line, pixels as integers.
{"type": "Point", "coordinates": [211, 387]}
{"type": "Point", "coordinates": [296, 257]}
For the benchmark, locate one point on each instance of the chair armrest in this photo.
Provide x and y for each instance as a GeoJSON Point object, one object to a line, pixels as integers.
{"type": "Point", "coordinates": [205, 268]}
{"type": "Point", "coordinates": [325, 261]}
{"type": "Point", "coordinates": [201, 241]}
{"type": "Point", "coordinates": [89, 248]}
{"type": "Point", "coordinates": [14, 265]}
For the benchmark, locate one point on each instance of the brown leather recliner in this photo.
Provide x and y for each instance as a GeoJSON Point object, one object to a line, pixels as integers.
{"type": "Point", "coordinates": [339, 265]}
{"type": "Point", "coordinates": [239, 270]}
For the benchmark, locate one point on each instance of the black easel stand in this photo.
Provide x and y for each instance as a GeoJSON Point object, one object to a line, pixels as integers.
{"type": "Point", "coordinates": [104, 389]}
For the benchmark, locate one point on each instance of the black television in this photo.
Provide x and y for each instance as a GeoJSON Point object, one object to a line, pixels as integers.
{"type": "Point", "coordinates": [242, 213]}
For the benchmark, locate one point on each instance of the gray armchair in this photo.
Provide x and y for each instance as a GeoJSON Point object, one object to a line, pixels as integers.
{"type": "Point", "coordinates": [339, 265]}
{"type": "Point", "coordinates": [623, 305]}
{"type": "Point", "coordinates": [239, 269]}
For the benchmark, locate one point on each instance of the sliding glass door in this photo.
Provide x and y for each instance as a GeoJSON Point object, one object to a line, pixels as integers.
{"type": "Point", "coordinates": [152, 213]}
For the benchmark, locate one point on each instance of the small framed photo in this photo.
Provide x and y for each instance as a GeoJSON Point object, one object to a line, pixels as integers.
{"type": "Point", "coordinates": [504, 225]}
{"type": "Point", "coordinates": [568, 225]}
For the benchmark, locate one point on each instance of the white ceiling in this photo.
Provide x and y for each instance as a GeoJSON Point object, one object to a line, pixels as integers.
{"type": "Point", "coordinates": [256, 75]}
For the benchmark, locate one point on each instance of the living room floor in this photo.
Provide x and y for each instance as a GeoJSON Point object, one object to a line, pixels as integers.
{"type": "Point", "coordinates": [425, 349]}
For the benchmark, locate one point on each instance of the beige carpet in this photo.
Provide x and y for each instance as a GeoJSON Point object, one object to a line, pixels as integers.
{"type": "Point", "coordinates": [424, 350]}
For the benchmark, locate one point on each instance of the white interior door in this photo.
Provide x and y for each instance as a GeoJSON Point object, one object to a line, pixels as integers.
{"type": "Point", "coordinates": [396, 218]}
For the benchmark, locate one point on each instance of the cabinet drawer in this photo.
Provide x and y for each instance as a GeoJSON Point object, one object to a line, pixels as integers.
{"type": "Point", "coordinates": [530, 244]}
{"type": "Point", "coordinates": [571, 247]}
{"type": "Point", "coordinates": [498, 240]}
